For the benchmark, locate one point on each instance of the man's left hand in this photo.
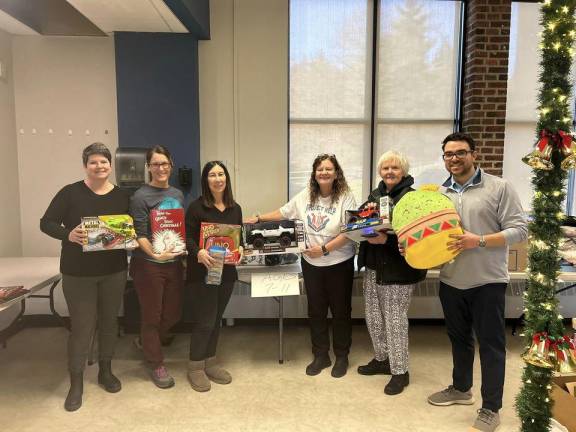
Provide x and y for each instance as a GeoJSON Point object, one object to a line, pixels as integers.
{"type": "Point", "coordinates": [464, 241]}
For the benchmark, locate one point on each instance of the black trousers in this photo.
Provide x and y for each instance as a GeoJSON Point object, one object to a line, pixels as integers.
{"type": "Point", "coordinates": [208, 305]}
{"type": "Point", "coordinates": [330, 287]}
{"type": "Point", "coordinates": [481, 310]}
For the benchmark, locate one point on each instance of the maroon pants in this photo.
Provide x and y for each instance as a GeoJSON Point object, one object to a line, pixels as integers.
{"type": "Point", "coordinates": [159, 287]}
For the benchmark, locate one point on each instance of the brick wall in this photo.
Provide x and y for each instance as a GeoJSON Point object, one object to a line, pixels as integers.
{"type": "Point", "coordinates": [485, 79]}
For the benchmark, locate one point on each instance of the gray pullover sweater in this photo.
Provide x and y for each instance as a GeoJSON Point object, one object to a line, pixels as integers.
{"type": "Point", "coordinates": [487, 206]}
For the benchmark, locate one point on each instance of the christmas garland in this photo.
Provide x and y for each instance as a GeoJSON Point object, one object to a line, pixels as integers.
{"type": "Point", "coordinates": [547, 348]}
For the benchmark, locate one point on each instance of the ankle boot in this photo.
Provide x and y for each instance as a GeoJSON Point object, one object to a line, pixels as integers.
{"type": "Point", "coordinates": [216, 373]}
{"type": "Point", "coordinates": [197, 377]}
{"type": "Point", "coordinates": [321, 361]}
{"type": "Point", "coordinates": [106, 378]}
{"type": "Point", "coordinates": [74, 398]}
{"type": "Point", "coordinates": [397, 383]}
{"type": "Point", "coordinates": [340, 367]}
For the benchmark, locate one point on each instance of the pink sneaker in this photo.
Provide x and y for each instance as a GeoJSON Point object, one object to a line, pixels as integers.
{"type": "Point", "coordinates": [161, 377]}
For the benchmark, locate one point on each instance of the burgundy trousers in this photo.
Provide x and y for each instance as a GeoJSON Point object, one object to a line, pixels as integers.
{"type": "Point", "coordinates": [159, 287]}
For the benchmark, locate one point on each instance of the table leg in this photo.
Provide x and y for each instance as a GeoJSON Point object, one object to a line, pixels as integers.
{"type": "Point", "coordinates": [281, 330]}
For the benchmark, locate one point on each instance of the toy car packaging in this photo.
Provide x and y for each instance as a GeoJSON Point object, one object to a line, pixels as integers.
{"type": "Point", "coordinates": [267, 238]}
{"type": "Point", "coordinates": [223, 235]}
{"type": "Point", "coordinates": [364, 223]}
{"type": "Point", "coordinates": [109, 232]}
{"type": "Point", "coordinates": [424, 220]}
{"type": "Point", "coordinates": [167, 227]}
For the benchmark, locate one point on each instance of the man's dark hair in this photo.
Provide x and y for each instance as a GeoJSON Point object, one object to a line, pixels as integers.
{"type": "Point", "coordinates": [96, 149]}
{"type": "Point", "coordinates": [459, 136]}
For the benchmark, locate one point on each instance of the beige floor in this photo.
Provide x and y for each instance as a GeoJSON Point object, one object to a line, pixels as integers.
{"type": "Point", "coordinates": [264, 396]}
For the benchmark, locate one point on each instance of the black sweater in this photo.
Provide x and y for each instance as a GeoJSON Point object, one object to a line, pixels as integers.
{"type": "Point", "coordinates": [64, 213]}
{"type": "Point", "coordinates": [385, 259]}
{"type": "Point", "coordinates": [196, 214]}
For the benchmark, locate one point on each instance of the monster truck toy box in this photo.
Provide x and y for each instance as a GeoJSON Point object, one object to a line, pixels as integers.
{"type": "Point", "coordinates": [363, 224]}
{"type": "Point", "coordinates": [267, 238]}
{"type": "Point", "coordinates": [108, 232]}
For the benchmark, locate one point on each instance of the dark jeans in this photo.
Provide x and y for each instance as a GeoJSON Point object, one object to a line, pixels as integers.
{"type": "Point", "coordinates": [329, 287]}
{"type": "Point", "coordinates": [208, 305]}
{"type": "Point", "coordinates": [159, 287]}
{"type": "Point", "coordinates": [91, 300]}
{"type": "Point", "coordinates": [481, 310]}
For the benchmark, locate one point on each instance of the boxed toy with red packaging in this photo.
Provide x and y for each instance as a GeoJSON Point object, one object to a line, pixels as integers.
{"type": "Point", "coordinates": [223, 235]}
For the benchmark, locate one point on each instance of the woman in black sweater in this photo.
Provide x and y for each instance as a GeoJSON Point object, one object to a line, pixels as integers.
{"type": "Point", "coordinates": [388, 282]}
{"type": "Point", "coordinates": [93, 282]}
{"type": "Point", "coordinates": [216, 205]}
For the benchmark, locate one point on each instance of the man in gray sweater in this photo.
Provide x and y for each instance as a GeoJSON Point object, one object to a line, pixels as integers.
{"type": "Point", "coordinates": [473, 285]}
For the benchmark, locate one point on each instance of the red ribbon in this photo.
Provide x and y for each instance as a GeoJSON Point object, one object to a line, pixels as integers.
{"type": "Point", "coordinates": [560, 139]}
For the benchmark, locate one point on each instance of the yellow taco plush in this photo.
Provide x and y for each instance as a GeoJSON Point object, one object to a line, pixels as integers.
{"type": "Point", "coordinates": [424, 220]}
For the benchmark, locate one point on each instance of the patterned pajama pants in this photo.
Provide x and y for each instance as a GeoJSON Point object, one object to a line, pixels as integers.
{"type": "Point", "coordinates": [387, 320]}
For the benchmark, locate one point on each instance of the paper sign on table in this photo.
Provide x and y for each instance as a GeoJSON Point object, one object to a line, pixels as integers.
{"type": "Point", "coordinates": [275, 284]}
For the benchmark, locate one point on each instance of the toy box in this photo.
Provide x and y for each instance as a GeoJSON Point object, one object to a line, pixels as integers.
{"type": "Point", "coordinates": [168, 233]}
{"type": "Point", "coordinates": [109, 232]}
{"type": "Point", "coordinates": [364, 223]}
{"type": "Point", "coordinates": [266, 238]}
{"type": "Point", "coordinates": [224, 235]}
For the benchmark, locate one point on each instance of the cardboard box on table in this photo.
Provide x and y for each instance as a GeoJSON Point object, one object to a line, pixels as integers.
{"type": "Point", "coordinates": [518, 257]}
{"type": "Point", "coordinates": [564, 409]}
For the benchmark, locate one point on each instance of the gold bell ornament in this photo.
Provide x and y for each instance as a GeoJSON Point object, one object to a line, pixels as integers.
{"type": "Point", "coordinates": [539, 158]}
{"type": "Point", "coordinates": [568, 149]}
{"type": "Point", "coordinates": [539, 353]}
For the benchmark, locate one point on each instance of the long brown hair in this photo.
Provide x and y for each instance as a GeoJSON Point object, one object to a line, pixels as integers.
{"type": "Point", "coordinates": [339, 187]}
{"type": "Point", "coordinates": [207, 197]}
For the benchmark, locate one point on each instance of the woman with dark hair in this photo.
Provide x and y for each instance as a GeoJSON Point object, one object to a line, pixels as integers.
{"type": "Point", "coordinates": [328, 264]}
{"type": "Point", "coordinates": [93, 282]}
{"type": "Point", "coordinates": [158, 277]}
{"type": "Point", "coordinates": [216, 205]}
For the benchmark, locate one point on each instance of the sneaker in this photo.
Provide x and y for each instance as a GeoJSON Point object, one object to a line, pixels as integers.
{"type": "Point", "coordinates": [397, 384]}
{"type": "Point", "coordinates": [340, 367]}
{"type": "Point", "coordinates": [487, 421]}
{"type": "Point", "coordinates": [375, 367]}
{"type": "Point", "coordinates": [451, 396]}
{"type": "Point", "coordinates": [161, 377]}
{"type": "Point", "coordinates": [320, 362]}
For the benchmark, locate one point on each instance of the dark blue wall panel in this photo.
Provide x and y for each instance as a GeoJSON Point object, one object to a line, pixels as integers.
{"type": "Point", "coordinates": [194, 14]}
{"type": "Point", "coordinates": [157, 91]}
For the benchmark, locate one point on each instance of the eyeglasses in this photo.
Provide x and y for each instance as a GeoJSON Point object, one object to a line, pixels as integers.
{"type": "Point", "coordinates": [158, 165]}
{"type": "Point", "coordinates": [460, 154]}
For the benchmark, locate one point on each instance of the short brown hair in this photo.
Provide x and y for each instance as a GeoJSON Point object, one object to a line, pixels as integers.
{"type": "Point", "coordinates": [96, 148]}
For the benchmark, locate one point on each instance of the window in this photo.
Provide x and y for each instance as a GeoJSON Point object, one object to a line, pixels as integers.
{"type": "Point", "coordinates": [333, 53]}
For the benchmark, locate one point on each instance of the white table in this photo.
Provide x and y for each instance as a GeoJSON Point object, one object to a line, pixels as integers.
{"type": "Point", "coordinates": [34, 274]}
{"type": "Point", "coordinates": [245, 276]}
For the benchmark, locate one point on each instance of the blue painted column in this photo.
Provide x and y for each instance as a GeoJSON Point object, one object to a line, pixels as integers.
{"type": "Point", "coordinates": [157, 91]}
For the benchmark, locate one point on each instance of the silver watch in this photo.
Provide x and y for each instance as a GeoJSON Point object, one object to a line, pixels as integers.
{"type": "Point", "coordinates": [482, 242]}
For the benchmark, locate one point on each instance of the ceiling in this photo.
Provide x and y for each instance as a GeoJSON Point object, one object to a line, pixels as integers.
{"type": "Point", "coordinates": [87, 17]}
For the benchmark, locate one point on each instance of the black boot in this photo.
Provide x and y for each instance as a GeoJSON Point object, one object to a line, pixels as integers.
{"type": "Point", "coordinates": [397, 384]}
{"type": "Point", "coordinates": [340, 367]}
{"type": "Point", "coordinates": [74, 398]}
{"type": "Point", "coordinates": [375, 367]}
{"type": "Point", "coordinates": [106, 378]}
{"type": "Point", "coordinates": [320, 362]}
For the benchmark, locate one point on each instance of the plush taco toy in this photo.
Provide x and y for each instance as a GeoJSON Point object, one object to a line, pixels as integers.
{"type": "Point", "coordinates": [423, 221]}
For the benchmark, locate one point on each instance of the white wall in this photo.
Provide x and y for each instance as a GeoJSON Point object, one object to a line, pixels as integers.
{"type": "Point", "coordinates": [61, 84]}
{"type": "Point", "coordinates": [10, 243]}
{"type": "Point", "coordinates": [244, 98]}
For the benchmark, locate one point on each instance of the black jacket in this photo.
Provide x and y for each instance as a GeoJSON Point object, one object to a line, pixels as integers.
{"type": "Point", "coordinates": [385, 259]}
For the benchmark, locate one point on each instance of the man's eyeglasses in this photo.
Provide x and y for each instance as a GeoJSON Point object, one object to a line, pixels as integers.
{"type": "Point", "coordinates": [158, 165]}
{"type": "Point", "coordinates": [460, 154]}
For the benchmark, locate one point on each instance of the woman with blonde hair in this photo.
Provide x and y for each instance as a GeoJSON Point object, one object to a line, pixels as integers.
{"type": "Point", "coordinates": [388, 282]}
